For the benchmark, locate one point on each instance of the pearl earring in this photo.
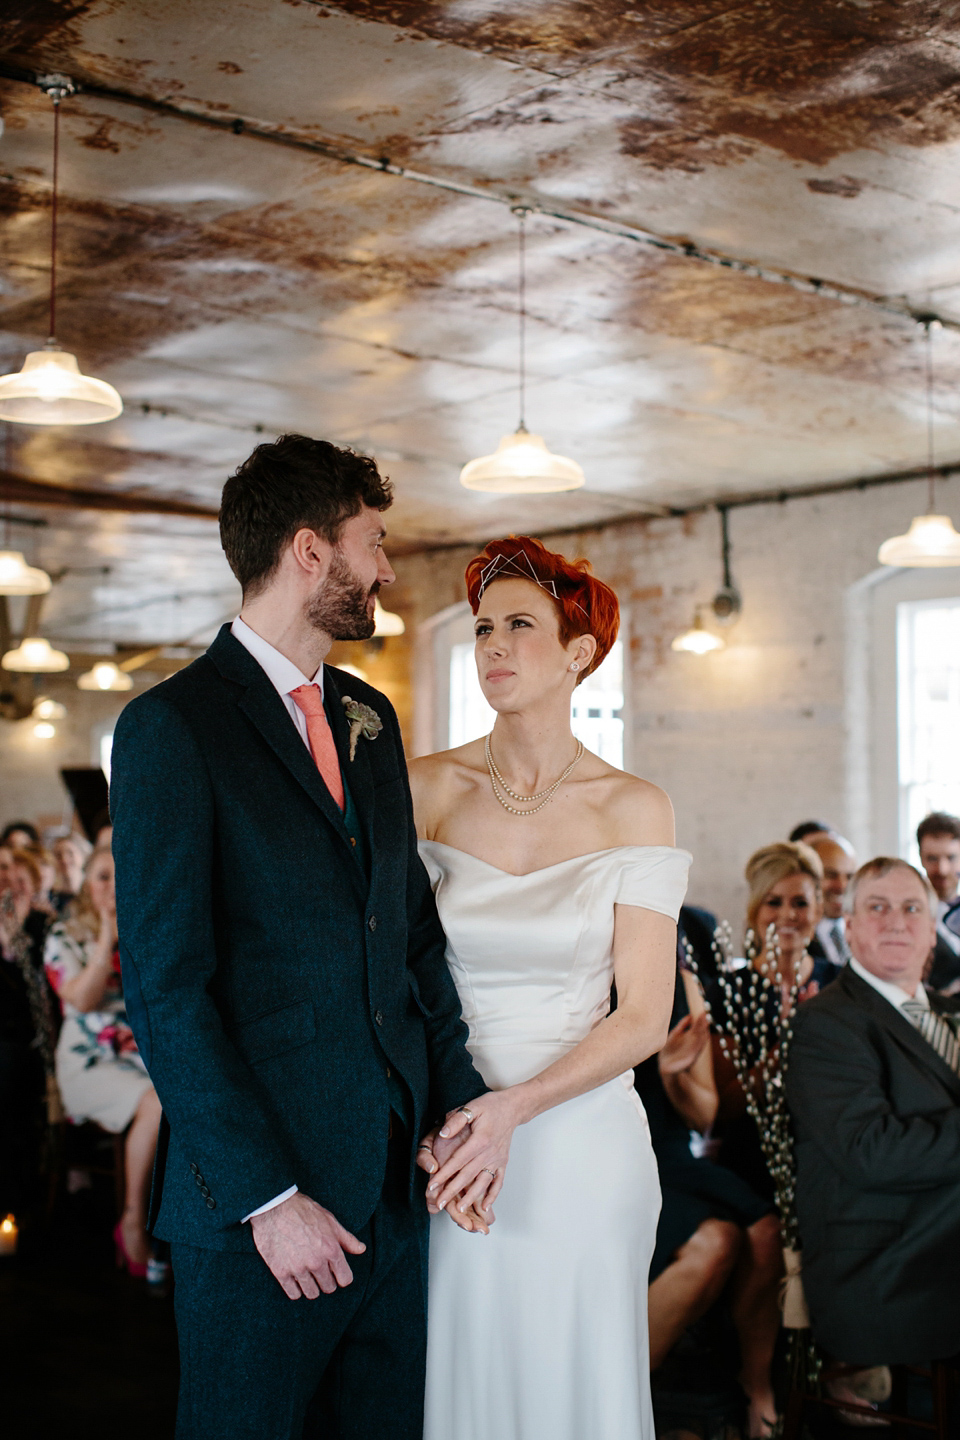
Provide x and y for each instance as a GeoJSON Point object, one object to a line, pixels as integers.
{"type": "Point", "coordinates": [574, 666]}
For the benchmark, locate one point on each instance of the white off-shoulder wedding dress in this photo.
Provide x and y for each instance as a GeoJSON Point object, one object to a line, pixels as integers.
{"type": "Point", "coordinates": [538, 1331]}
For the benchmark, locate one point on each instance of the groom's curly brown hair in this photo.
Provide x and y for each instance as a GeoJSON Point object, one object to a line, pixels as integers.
{"type": "Point", "coordinates": [294, 483]}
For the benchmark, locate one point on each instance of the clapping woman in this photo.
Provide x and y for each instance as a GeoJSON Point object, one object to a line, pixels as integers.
{"type": "Point", "coordinates": [99, 1070]}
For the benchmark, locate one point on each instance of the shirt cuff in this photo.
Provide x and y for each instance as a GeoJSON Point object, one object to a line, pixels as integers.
{"type": "Point", "coordinates": [271, 1204]}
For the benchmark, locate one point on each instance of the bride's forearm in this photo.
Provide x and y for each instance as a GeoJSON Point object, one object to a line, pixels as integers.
{"type": "Point", "coordinates": [616, 1045]}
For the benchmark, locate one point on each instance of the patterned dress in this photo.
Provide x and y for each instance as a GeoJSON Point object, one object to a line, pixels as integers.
{"type": "Point", "coordinates": [99, 1070]}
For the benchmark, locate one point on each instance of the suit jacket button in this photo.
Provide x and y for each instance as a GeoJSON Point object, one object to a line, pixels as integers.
{"type": "Point", "coordinates": [194, 1168]}
{"type": "Point", "coordinates": [378, 1016]}
{"type": "Point", "coordinates": [211, 1203]}
{"type": "Point", "coordinates": [372, 924]}
{"type": "Point", "coordinates": [204, 1192]}
{"type": "Point", "coordinates": [199, 1179]}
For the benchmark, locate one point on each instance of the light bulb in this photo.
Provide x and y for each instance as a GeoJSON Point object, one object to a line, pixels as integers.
{"type": "Point", "coordinates": [44, 730]}
{"type": "Point", "coordinates": [698, 640]}
{"type": "Point", "coordinates": [387, 623]}
{"type": "Point", "coordinates": [104, 676]}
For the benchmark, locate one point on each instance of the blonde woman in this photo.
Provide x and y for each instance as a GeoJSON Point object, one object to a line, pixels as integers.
{"type": "Point", "coordinates": [99, 1070]}
{"type": "Point", "coordinates": [784, 906]}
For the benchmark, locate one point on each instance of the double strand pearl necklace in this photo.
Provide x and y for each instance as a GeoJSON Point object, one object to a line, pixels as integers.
{"type": "Point", "coordinates": [501, 788]}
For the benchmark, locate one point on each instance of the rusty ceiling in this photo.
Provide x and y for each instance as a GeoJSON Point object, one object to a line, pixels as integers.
{"type": "Point", "coordinates": [298, 216]}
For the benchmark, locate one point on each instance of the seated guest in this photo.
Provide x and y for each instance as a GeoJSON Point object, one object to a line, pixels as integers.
{"type": "Point", "coordinates": [101, 1075]}
{"type": "Point", "coordinates": [938, 837]}
{"type": "Point", "coordinates": [19, 835]}
{"type": "Point", "coordinates": [70, 854]}
{"type": "Point", "coordinates": [27, 1033]}
{"type": "Point", "coordinates": [712, 1226]}
{"type": "Point", "coordinates": [783, 910]}
{"type": "Point", "coordinates": [839, 861]}
{"type": "Point", "coordinates": [874, 1092]}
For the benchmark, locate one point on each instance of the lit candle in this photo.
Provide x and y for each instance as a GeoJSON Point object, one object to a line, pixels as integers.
{"type": "Point", "coordinates": [8, 1236]}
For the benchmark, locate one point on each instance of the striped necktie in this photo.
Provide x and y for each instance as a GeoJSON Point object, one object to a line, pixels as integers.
{"type": "Point", "coordinates": [841, 948]}
{"type": "Point", "coordinates": [936, 1030]}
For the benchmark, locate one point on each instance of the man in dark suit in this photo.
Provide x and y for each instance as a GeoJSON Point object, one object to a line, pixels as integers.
{"type": "Point", "coordinates": [874, 1091]}
{"type": "Point", "coordinates": [285, 977]}
{"type": "Point", "coordinates": [938, 839]}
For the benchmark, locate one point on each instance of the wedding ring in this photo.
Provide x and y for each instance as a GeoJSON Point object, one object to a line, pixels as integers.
{"type": "Point", "coordinates": [426, 1147]}
{"type": "Point", "coordinates": [488, 1171]}
{"type": "Point", "coordinates": [462, 1110]}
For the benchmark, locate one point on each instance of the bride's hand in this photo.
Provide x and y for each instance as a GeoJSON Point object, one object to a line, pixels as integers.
{"type": "Point", "coordinates": [473, 1174]}
{"type": "Point", "coordinates": [432, 1152]}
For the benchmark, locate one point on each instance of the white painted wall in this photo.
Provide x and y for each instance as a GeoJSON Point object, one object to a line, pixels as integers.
{"type": "Point", "coordinates": [792, 720]}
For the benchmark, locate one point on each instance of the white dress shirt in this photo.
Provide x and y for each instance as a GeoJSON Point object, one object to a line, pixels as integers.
{"type": "Point", "coordinates": [826, 935]}
{"type": "Point", "coordinates": [889, 991]}
{"type": "Point", "coordinates": [284, 677]}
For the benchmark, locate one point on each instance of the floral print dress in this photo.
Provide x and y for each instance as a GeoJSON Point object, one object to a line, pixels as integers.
{"type": "Point", "coordinates": [99, 1070]}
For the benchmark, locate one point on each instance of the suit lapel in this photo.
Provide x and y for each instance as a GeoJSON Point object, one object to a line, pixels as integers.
{"type": "Point", "coordinates": [267, 712]}
{"type": "Point", "coordinates": [906, 1035]}
{"type": "Point", "coordinates": [357, 776]}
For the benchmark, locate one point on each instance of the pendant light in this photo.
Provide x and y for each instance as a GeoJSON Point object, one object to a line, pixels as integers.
{"type": "Point", "coordinates": [105, 675]}
{"type": "Point", "coordinates": [19, 578]}
{"type": "Point", "coordinates": [521, 463]}
{"type": "Point", "coordinates": [698, 640]}
{"type": "Point", "coordinates": [35, 656]}
{"type": "Point", "coordinates": [50, 390]}
{"type": "Point", "coordinates": [46, 709]}
{"type": "Point", "coordinates": [931, 542]}
{"type": "Point", "coordinates": [386, 623]}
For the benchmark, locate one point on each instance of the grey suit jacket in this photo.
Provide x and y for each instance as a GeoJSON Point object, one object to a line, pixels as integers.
{"type": "Point", "coordinates": [876, 1116]}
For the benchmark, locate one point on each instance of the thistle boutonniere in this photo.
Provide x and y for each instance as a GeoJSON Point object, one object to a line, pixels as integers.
{"type": "Point", "coordinates": [363, 721]}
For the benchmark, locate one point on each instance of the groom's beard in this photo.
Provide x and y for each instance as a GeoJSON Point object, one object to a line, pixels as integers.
{"type": "Point", "coordinates": [340, 607]}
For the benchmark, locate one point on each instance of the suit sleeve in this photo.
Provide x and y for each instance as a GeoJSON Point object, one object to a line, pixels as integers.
{"type": "Point", "coordinates": [164, 820]}
{"type": "Point", "coordinates": [453, 1078]}
{"type": "Point", "coordinates": [838, 1099]}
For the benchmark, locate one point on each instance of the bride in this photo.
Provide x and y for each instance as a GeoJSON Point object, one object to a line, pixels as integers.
{"type": "Point", "coordinates": [554, 875]}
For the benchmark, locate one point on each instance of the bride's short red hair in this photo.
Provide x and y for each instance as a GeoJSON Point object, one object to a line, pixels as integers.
{"type": "Point", "coordinates": [585, 606]}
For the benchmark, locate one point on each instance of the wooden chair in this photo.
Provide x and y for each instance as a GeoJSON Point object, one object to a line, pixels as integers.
{"type": "Point", "coordinates": [942, 1375]}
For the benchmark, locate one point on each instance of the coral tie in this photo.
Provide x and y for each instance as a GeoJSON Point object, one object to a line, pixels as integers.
{"type": "Point", "coordinates": [309, 701]}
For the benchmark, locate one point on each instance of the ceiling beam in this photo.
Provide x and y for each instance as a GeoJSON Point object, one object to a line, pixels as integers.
{"type": "Point", "coordinates": [20, 490]}
{"type": "Point", "coordinates": [252, 128]}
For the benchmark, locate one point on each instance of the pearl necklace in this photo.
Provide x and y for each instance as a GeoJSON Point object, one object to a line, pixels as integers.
{"type": "Point", "coordinates": [501, 788]}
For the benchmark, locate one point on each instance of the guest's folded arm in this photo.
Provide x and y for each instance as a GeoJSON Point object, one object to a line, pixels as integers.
{"type": "Point", "coordinates": [219, 1112]}
{"type": "Point", "coordinates": [837, 1096]}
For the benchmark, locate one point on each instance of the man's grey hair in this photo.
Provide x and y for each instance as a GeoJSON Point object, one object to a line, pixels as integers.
{"type": "Point", "coordinates": [876, 869]}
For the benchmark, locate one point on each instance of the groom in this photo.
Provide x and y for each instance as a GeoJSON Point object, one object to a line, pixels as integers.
{"type": "Point", "coordinates": [285, 976]}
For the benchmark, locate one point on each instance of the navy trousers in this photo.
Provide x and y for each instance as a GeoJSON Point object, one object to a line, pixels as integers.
{"type": "Point", "coordinates": [255, 1365]}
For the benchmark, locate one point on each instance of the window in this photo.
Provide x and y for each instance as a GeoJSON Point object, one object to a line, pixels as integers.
{"type": "Point", "coordinates": [596, 719]}
{"type": "Point", "coordinates": [928, 711]}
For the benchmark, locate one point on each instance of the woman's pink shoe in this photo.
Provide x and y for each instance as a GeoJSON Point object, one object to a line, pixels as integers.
{"type": "Point", "coordinates": [124, 1262]}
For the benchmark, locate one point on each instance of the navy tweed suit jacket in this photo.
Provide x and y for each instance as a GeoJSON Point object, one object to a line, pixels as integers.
{"type": "Point", "coordinates": [272, 984]}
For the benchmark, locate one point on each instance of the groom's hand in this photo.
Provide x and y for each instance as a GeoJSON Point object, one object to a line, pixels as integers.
{"type": "Point", "coordinates": [302, 1245]}
{"type": "Point", "coordinates": [431, 1154]}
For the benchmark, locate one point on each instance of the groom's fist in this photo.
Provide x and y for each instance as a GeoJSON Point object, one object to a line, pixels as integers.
{"type": "Point", "coordinates": [303, 1246]}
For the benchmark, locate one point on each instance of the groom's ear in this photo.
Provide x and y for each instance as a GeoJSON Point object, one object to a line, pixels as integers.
{"type": "Point", "coordinates": [310, 553]}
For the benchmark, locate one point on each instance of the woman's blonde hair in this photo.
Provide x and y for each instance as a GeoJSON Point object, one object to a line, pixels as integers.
{"type": "Point", "coordinates": [83, 920]}
{"type": "Point", "coordinates": [773, 863]}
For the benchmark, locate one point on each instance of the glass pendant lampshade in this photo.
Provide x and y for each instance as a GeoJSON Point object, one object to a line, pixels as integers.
{"type": "Point", "coordinates": [19, 578]}
{"type": "Point", "coordinates": [698, 640]}
{"type": "Point", "coordinates": [50, 390]}
{"type": "Point", "coordinates": [105, 675]}
{"type": "Point", "coordinates": [46, 709]}
{"type": "Point", "coordinates": [930, 542]}
{"type": "Point", "coordinates": [386, 622]}
{"type": "Point", "coordinates": [43, 730]}
{"type": "Point", "coordinates": [522, 465]}
{"type": "Point", "coordinates": [36, 657]}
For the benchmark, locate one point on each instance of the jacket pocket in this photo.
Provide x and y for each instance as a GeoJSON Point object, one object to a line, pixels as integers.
{"type": "Point", "coordinates": [862, 1234]}
{"type": "Point", "coordinates": [276, 1032]}
{"type": "Point", "coordinates": [417, 998]}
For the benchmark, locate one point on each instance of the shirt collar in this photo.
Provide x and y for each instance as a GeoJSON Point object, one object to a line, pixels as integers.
{"type": "Point", "coordinates": [893, 993]}
{"type": "Point", "coordinates": [281, 672]}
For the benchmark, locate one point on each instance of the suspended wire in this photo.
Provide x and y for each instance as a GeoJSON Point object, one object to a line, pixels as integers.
{"type": "Point", "coordinates": [931, 477]}
{"type": "Point", "coordinates": [53, 216]}
{"type": "Point", "coordinates": [522, 217]}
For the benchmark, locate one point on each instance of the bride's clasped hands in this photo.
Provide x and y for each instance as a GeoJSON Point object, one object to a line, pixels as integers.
{"type": "Point", "coordinates": [471, 1174]}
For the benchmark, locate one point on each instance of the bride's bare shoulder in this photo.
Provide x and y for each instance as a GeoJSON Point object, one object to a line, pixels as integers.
{"type": "Point", "coordinates": [639, 812]}
{"type": "Point", "coordinates": [436, 779]}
